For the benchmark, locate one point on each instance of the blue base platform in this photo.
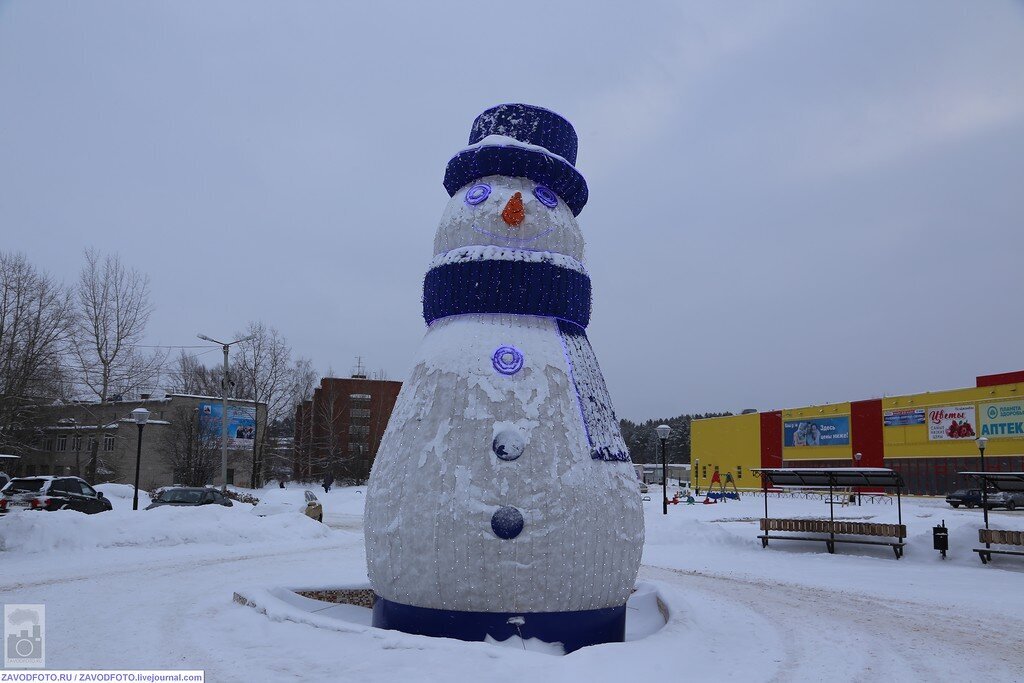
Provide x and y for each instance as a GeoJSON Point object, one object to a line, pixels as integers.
{"type": "Point", "coordinates": [573, 629]}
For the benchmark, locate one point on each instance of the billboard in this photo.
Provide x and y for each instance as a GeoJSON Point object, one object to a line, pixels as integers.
{"type": "Point", "coordinates": [820, 431]}
{"type": "Point", "coordinates": [241, 424]}
{"type": "Point", "coordinates": [902, 417]}
{"type": "Point", "coordinates": [1004, 419]}
{"type": "Point", "coordinates": [950, 423]}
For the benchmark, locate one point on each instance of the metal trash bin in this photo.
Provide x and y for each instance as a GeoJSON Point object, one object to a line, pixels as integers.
{"type": "Point", "coordinates": [940, 538]}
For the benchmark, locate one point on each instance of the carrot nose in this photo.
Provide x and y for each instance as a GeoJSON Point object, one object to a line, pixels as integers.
{"type": "Point", "coordinates": [514, 214]}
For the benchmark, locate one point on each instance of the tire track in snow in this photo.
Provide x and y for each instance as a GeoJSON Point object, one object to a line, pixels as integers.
{"type": "Point", "coordinates": [159, 567]}
{"type": "Point", "coordinates": [852, 636]}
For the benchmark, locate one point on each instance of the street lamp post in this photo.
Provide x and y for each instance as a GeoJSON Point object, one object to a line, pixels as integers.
{"type": "Point", "coordinates": [856, 463]}
{"type": "Point", "coordinates": [982, 442]}
{"type": "Point", "coordinates": [663, 432]}
{"type": "Point", "coordinates": [140, 415]}
{"type": "Point", "coordinates": [224, 408]}
{"type": "Point", "coordinates": [695, 476]}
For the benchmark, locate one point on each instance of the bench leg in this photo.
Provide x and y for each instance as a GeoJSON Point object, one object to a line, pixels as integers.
{"type": "Point", "coordinates": [831, 546]}
{"type": "Point", "coordinates": [898, 550]}
{"type": "Point", "coordinates": [985, 557]}
{"type": "Point", "coordinates": [764, 542]}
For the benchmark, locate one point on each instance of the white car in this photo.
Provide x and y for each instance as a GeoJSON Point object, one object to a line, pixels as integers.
{"type": "Point", "coordinates": [284, 501]}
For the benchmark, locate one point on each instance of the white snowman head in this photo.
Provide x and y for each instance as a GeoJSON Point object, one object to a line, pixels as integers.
{"type": "Point", "coordinates": [516, 185]}
{"type": "Point", "coordinates": [515, 213]}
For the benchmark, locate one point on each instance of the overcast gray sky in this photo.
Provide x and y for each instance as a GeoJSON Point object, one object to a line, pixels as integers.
{"type": "Point", "coordinates": [791, 202]}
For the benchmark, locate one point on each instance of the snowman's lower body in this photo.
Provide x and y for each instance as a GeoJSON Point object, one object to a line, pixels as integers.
{"type": "Point", "coordinates": [502, 502]}
{"type": "Point", "coordinates": [573, 629]}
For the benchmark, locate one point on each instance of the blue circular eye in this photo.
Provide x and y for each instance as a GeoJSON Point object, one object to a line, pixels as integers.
{"type": "Point", "coordinates": [478, 193]}
{"type": "Point", "coordinates": [545, 196]}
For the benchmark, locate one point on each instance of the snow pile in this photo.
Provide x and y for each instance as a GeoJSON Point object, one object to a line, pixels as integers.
{"type": "Point", "coordinates": [340, 499]}
{"type": "Point", "coordinates": [34, 532]}
{"type": "Point", "coordinates": [530, 644]}
{"type": "Point", "coordinates": [120, 495]}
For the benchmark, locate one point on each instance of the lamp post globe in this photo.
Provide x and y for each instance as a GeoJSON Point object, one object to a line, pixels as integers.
{"type": "Point", "coordinates": [140, 415]}
{"type": "Point", "coordinates": [663, 431]}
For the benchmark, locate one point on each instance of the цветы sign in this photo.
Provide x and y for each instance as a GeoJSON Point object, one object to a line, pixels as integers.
{"type": "Point", "coordinates": [946, 423]}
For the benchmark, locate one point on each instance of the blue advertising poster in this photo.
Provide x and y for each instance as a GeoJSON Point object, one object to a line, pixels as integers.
{"type": "Point", "coordinates": [820, 431]}
{"type": "Point", "coordinates": [904, 417]}
{"type": "Point", "coordinates": [241, 423]}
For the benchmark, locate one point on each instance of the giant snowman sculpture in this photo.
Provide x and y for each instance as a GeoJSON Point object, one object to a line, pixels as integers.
{"type": "Point", "coordinates": [502, 501]}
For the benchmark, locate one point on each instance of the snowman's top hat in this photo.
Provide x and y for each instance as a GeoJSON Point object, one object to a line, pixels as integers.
{"type": "Point", "coordinates": [523, 141]}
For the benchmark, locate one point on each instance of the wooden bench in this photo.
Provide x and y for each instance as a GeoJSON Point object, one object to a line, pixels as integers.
{"type": "Point", "coordinates": [999, 537]}
{"type": "Point", "coordinates": [825, 526]}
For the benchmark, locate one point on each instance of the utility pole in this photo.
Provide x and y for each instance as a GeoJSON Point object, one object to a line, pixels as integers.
{"type": "Point", "coordinates": [224, 409]}
{"type": "Point", "coordinates": [224, 423]}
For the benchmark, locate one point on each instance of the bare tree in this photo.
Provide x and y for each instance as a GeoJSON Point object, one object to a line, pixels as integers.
{"type": "Point", "coordinates": [113, 309]}
{"type": "Point", "coordinates": [194, 452]}
{"type": "Point", "coordinates": [188, 375]}
{"type": "Point", "coordinates": [304, 379]}
{"type": "Point", "coordinates": [330, 434]}
{"type": "Point", "coordinates": [35, 319]}
{"type": "Point", "coordinates": [263, 371]}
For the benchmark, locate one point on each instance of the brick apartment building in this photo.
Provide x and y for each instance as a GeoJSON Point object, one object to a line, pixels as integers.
{"type": "Point", "coordinates": [340, 428]}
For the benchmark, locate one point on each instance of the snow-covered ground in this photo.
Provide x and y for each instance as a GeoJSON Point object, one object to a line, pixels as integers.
{"type": "Point", "coordinates": [154, 590]}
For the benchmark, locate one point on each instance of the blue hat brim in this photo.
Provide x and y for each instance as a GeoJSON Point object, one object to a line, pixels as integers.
{"type": "Point", "coordinates": [518, 162]}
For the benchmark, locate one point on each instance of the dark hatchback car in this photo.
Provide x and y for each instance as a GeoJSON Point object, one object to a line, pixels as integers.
{"type": "Point", "coordinates": [52, 493]}
{"type": "Point", "coordinates": [970, 498]}
{"type": "Point", "coordinates": [189, 496]}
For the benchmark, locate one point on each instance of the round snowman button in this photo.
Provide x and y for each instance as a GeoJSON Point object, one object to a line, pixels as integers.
{"type": "Point", "coordinates": [508, 444]}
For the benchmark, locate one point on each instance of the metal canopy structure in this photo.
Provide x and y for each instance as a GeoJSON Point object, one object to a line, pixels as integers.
{"type": "Point", "coordinates": [831, 477]}
{"type": "Point", "coordinates": [1001, 481]}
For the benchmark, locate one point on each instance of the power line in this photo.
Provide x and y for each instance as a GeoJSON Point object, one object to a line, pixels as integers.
{"type": "Point", "coordinates": [175, 346]}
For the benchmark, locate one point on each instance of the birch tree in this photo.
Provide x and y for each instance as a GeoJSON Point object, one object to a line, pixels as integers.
{"type": "Point", "coordinates": [35, 321]}
{"type": "Point", "coordinates": [113, 309]}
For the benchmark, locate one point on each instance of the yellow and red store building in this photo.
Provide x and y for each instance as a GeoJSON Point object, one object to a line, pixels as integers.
{"type": "Point", "coordinates": [928, 437]}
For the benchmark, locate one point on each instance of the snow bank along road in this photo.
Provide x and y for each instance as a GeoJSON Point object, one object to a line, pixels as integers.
{"type": "Point", "coordinates": [787, 613]}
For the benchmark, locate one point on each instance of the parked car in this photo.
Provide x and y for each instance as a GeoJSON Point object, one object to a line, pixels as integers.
{"type": "Point", "coordinates": [643, 487]}
{"type": "Point", "coordinates": [189, 496]}
{"type": "Point", "coordinates": [282, 501]}
{"type": "Point", "coordinates": [1010, 500]}
{"type": "Point", "coordinates": [52, 493]}
{"type": "Point", "coordinates": [996, 499]}
{"type": "Point", "coordinates": [967, 497]}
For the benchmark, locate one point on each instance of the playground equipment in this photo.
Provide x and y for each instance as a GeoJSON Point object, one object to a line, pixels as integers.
{"type": "Point", "coordinates": [722, 494]}
{"type": "Point", "coordinates": [682, 497]}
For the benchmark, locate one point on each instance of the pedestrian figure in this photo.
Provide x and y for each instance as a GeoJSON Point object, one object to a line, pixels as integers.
{"type": "Point", "coordinates": [328, 481]}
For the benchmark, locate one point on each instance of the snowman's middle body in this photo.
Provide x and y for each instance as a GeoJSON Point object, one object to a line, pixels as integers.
{"type": "Point", "coordinates": [502, 486]}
